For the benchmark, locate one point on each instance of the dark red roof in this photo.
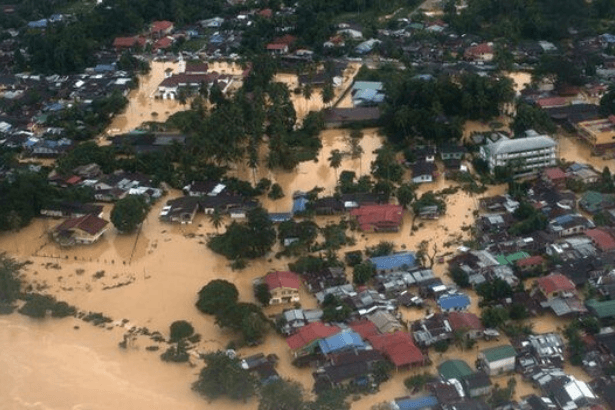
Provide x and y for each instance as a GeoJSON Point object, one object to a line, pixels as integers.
{"type": "Point", "coordinates": [88, 223]}
{"type": "Point", "coordinates": [364, 328]}
{"type": "Point", "coordinates": [276, 280]}
{"type": "Point", "coordinates": [73, 180]}
{"type": "Point", "coordinates": [196, 68]}
{"type": "Point", "coordinates": [603, 240]}
{"type": "Point", "coordinates": [370, 215]}
{"type": "Point", "coordinates": [164, 42]}
{"type": "Point", "coordinates": [555, 283]}
{"type": "Point", "coordinates": [125, 42]}
{"type": "Point", "coordinates": [555, 173]}
{"type": "Point", "coordinates": [479, 49]}
{"type": "Point", "coordinates": [285, 39]}
{"type": "Point", "coordinates": [398, 347]}
{"type": "Point", "coordinates": [308, 334]}
{"type": "Point", "coordinates": [464, 320]}
{"type": "Point", "coordinates": [276, 46]}
{"type": "Point", "coordinates": [530, 261]}
{"type": "Point", "coordinates": [266, 13]}
{"type": "Point", "coordinates": [158, 26]}
{"type": "Point", "coordinates": [552, 102]}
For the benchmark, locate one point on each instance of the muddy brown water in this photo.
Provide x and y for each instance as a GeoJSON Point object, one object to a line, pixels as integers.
{"type": "Point", "coordinates": [152, 280]}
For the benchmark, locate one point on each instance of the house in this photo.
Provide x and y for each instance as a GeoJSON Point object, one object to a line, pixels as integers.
{"type": "Point", "coordinates": [394, 262]}
{"type": "Point", "coordinates": [522, 155]}
{"type": "Point", "coordinates": [602, 239]}
{"type": "Point", "coordinates": [467, 323]}
{"type": "Point", "coordinates": [497, 360]}
{"type": "Point", "coordinates": [479, 52]}
{"type": "Point", "coordinates": [348, 368]}
{"type": "Point", "coordinates": [204, 188]}
{"type": "Point", "coordinates": [603, 310]}
{"type": "Point", "coordinates": [593, 202]}
{"type": "Point", "coordinates": [306, 339]}
{"type": "Point", "coordinates": [366, 46]}
{"type": "Point", "coordinates": [85, 229]}
{"type": "Point", "coordinates": [127, 43]}
{"type": "Point", "coordinates": [453, 302]}
{"type": "Point", "coordinates": [385, 322]}
{"type": "Point", "coordinates": [161, 29]}
{"type": "Point", "coordinates": [262, 367]}
{"type": "Point", "coordinates": [344, 117]}
{"type": "Point", "coordinates": [431, 329]}
{"type": "Point", "coordinates": [378, 218]}
{"type": "Point", "coordinates": [555, 285]}
{"type": "Point", "coordinates": [555, 176]}
{"type": "Point", "coordinates": [570, 393]}
{"type": "Point", "coordinates": [346, 340]}
{"type": "Point", "coordinates": [583, 173]}
{"type": "Point", "coordinates": [477, 384]}
{"type": "Point", "coordinates": [450, 151]}
{"type": "Point", "coordinates": [367, 93]}
{"type": "Point", "coordinates": [399, 348]}
{"type": "Point", "coordinates": [71, 210]}
{"type": "Point", "coordinates": [423, 171]}
{"type": "Point", "coordinates": [283, 287]}
{"type": "Point", "coordinates": [531, 263]}
{"type": "Point", "coordinates": [569, 224]}
{"type": "Point", "coordinates": [454, 369]}
{"type": "Point", "coordinates": [600, 134]}
{"type": "Point", "coordinates": [281, 45]}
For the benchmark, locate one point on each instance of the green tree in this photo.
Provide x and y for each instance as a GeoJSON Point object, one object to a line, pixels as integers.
{"type": "Point", "coordinates": [335, 160]}
{"type": "Point", "coordinates": [460, 277]}
{"type": "Point", "coordinates": [334, 309]}
{"type": "Point", "coordinates": [224, 376]}
{"type": "Point", "coordinates": [362, 273]}
{"type": "Point", "coordinates": [276, 192]}
{"type": "Point", "coordinates": [494, 317]}
{"type": "Point", "coordinates": [327, 93]}
{"type": "Point", "coordinates": [607, 102]}
{"type": "Point", "coordinates": [179, 330]}
{"type": "Point", "coordinates": [129, 212]}
{"type": "Point", "coordinates": [262, 294]}
{"type": "Point", "coordinates": [281, 395]}
{"type": "Point", "coordinates": [9, 278]}
{"type": "Point", "coordinates": [406, 194]}
{"type": "Point", "coordinates": [216, 296]}
{"type": "Point", "coordinates": [531, 117]}
{"type": "Point", "coordinates": [216, 219]}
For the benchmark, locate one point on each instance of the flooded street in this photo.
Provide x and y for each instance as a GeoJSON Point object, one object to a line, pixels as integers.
{"type": "Point", "coordinates": [152, 279]}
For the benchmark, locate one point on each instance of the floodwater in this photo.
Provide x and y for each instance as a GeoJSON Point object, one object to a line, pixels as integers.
{"type": "Point", "coordinates": [151, 279]}
{"type": "Point", "coordinates": [142, 106]}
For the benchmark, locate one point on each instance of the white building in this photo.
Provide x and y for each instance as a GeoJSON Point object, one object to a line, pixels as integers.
{"type": "Point", "coordinates": [498, 360]}
{"type": "Point", "coordinates": [524, 155]}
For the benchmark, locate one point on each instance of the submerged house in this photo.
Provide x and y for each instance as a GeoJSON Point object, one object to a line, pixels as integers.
{"type": "Point", "coordinates": [85, 229]}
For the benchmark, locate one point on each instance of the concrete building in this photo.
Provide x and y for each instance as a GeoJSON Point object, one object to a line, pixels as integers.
{"type": "Point", "coordinates": [497, 360]}
{"type": "Point", "coordinates": [524, 156]}
{"type": "Point", "coordinates": [600, 134]}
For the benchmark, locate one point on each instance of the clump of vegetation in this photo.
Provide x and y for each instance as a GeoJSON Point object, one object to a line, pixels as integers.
{"type": "Point", "coordinates": [38, 305]}
{"type": "Point", "coordinates": [223, 376]}
{"type": "Point", "coordinates": [418, 381]}
{"type": "Point", "coordinates": [129, 212]}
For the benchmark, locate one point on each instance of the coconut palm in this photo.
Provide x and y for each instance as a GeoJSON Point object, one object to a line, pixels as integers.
{"type": "Point", "coordinates": [216, 219]}
{"type": "Point", "coordinates": [335, 161]}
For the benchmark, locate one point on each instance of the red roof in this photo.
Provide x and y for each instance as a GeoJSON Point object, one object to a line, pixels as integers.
{"type": "Point", "coordinates": [276, 46]}
{"type": "Point", "coordinates": [364, 328]}
{"type": "Point", "coordinates": [603, 240]}
{"type": "Point", "coordinates": [464, 320]}
{"type": "Point", "coordinates": [164, 42]}
{"type": "Point", "coordinates": [73, 180]}
{"type": "Point", "coordinates": [552, 102]}
{"type": "Point", "coordinates": [125, 42]}
{"type": "Point", "coordinates": [479, 49]}
{"type": "Point", "coordinates": [265, 13]}
{"type": "Point", "coordinates": [88, 223]}
{"type": "Point", "coordinates": [398, 347]}
{"type": "Point", "coordinates": [308, 334]}
{"type": "Point", "coordinates": [530, 261]}
{"type": "Point", "coordinates": [373, 215]}
{"type": "Point", "coordinates": [158, 26]}
{"type": "Point", "coordinates": [276, 280]}
{"type": "Point", "coordinates": [555, 173]}
{"type": "Point", "coordinates": [285, 39]}
{"type": "Point", "coordinates": [555, 283]}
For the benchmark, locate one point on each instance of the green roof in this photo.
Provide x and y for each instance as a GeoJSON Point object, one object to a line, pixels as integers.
{"type": "Point", "coordinates": [454, 369]}
{"type": "Point", "coordinates": [602, 310]}
{"type": "Point", "coordinates": [512, 258]}
{"type": "Point", "coordinates": [498, 353]}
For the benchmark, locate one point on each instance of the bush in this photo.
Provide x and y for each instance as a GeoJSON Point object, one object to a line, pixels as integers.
{"type": "Point", "coordinates": [262, 294]}
{"type": "Point", "coordinates": [181, 330]}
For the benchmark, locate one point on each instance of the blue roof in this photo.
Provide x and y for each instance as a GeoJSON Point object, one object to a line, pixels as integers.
{"type": "Point", "coordinates": [458, 301]}
{"type": "Point", "coordinates": [368, 85]}
{"type": "Point", "coordinates": [417, 403]}
{"type": "Point", "coordinates": [341, 341]}
{"type": "Point", "coordinates": [369, 94]}
{"type": "Point", "coordinates": [299, 204]}
{"type": "Point", "coordinates": [395, 261]}
{"type": "Point", "coordinates": [280, 217]}
{"type": "Point", "coordinates": [563, 219]}
{"type": "Point", "coordinates": [42, 23]}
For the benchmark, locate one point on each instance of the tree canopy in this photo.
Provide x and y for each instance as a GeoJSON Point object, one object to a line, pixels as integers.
{"type": "Point", "coordinates": [216, 296]}
{"type": "Point", "coordinates": [129, 212]}
{"type": "Point", "coordinates": [224, 376]}
{"type": "Point", "coordinates": [9, 281]}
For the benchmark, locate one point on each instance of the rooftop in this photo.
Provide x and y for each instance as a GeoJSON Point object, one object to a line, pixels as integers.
{"type": "Point", "coordinates": [497, 353]}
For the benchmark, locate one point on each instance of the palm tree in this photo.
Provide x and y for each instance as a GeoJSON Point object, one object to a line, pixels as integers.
{"type": "Point", "coordinates": [356, 150]}
{"type": "Point", "coordinates": [216, 219]}
{"type": "Point", "coordinates": [335, 161]}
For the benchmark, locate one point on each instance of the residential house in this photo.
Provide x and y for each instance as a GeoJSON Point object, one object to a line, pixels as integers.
{"type": "Point", "coordinates": [454, 369]}
{"type": "Point", "coordinates": [593, 202]}
{"type": "Point", "coordinates": [569, 224]}
{"type": "Point", "coordinates": [385, 322]}
{"type": "Point", "coordinates": [128, 43]}
{"type": "Point", "coordinates": [367, 46]}
{"type": "Point", "coordinates": [417, 403]}
{"type": "Point", "coordinates": [431, 329]}
{"type": "Point", "coordinates": [570, 393]}
{"type": "Point", "coordinates": [555, 176]}
{"type": "Point", "coordinates": [531, 263]}
{"type": "Point", "coordinates": [204, 188]}
{"type": "Point", "coordinates": [450, 151]}
{"type": "Point", "coordinates": [479, 52]}
{"type": "Point", "coordinates": [602, 310]}
{"type": "Point", "coordinates": [477, 384]}
{"type": "Point", "coordinates": [283, 287]}
{"type": "Point", "coordinates": [71, 210]}
{"type": "Point", "coordinates": [161, 29]}
{"type": "Point", "coordinates": [602, 239]}
{"type": "Point", "coordinates": [598, 133]}
{"type": "Point", "coordinates": [262, 367]}
{"type": "Point", "coordinates": [85, 229]}
{"type": "Point", "coordinates": [346, 368]}
{"type": "Point", "coordinates": [379, 218]}
{"type": "Point", "coordinates": [399, 348]}
{"type": "Point", "coordinates": [367, 93]}
{"type": "Point", "coordinates": [346, 340]}
{"type": "Point", "coordinates": [497, 360]}
{"type": "Point", "coordinates": [344, 117]}
{"type": "Point", "coordinates": [394, 262]}
{"type": "Point", "coordinates": [583, 173]}
{"type": "Point", "coordinates": [454, 301]}
{"type": "Point", "coordinates": [305, 341]}
{"type": "Point", "coordinates": [423, 171]}
{"type": "Point", "coordinates": [522, 155]}
{"type": "Point", "coordinates": [555, 285]}
{"type": "Point", "coordinates": [467, 323]}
